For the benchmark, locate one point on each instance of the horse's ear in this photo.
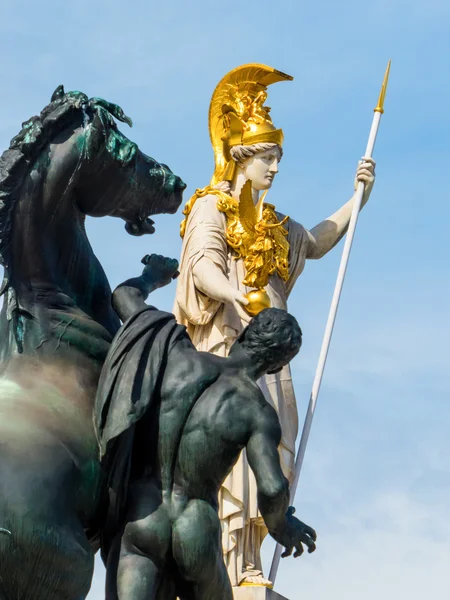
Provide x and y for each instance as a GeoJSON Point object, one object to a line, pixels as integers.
{"type": "Point", "coordinates": [58, 93]}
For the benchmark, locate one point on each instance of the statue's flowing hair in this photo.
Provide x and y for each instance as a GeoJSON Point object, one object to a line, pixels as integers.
{"type": "Point", "coordinates": [25, 147]}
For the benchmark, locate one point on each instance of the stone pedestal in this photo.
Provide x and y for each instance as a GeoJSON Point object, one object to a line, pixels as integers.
{"type": "Point", "coordinates": [255, 593]}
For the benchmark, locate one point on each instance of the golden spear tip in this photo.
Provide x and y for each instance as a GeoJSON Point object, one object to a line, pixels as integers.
{"type": "Point", "coordinates": [380, 106]}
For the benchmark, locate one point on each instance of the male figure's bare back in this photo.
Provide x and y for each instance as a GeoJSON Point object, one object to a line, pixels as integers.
{"type": "Point", "coordinates": [173, 526]}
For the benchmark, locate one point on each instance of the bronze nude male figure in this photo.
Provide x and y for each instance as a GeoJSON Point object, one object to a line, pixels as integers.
{"type": "Point", "coordinates": [171, 423]}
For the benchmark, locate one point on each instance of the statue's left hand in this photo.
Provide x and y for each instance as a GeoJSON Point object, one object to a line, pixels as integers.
{"type": "Point", "coordinates": [295, 534]}
{"type": "Point", "coordinates": [365, 173]}
{"type": "Point", "coordinates": [159, 270]}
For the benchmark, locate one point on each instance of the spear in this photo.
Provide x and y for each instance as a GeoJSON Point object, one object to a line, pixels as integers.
{"type": "Point", "coordinates": [378, 111]}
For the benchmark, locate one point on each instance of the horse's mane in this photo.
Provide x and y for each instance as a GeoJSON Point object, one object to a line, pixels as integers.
{"type": "Point", "coordinates": [25, 147]}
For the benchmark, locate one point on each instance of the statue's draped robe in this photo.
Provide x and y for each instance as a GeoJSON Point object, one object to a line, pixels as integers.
{"type": "Point", "coordinates": [213, 327]}
{"type": "Point", "coordinates": [128, 389]}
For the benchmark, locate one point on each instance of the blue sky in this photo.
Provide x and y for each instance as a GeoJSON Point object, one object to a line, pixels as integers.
{"type": "Point", "coordinates": [376, 482]}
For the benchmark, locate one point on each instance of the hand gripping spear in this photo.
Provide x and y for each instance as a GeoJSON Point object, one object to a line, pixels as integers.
{"type": "Point", "coordinates": [379, 110]}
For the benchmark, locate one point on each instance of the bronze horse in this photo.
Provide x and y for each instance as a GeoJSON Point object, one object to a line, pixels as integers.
{"type": "Point", "coordinates": [56, 327]}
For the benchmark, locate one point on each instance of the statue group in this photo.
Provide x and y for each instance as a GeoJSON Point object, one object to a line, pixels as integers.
{"type": "Point", "coordinates": [164, 440]}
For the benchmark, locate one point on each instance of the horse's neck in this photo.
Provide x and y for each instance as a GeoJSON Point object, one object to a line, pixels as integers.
{"type": "Point", "coordinates": [53, 260]}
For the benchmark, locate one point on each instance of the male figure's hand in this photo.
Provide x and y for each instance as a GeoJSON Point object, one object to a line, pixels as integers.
{"type": "Point", "coordinates": [294, 534]}
{"type": "Point", "coordinates": [159, 270]}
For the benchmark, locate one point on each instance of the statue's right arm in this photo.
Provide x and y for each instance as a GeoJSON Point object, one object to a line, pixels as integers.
{"type": "Point", "coordinates": [210, 280]}
{"type": "Point", "coordinates": [206, 253]}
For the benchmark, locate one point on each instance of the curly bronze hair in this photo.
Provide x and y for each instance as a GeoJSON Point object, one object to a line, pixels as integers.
{"type": "Point", "coordinates": [274, 337]}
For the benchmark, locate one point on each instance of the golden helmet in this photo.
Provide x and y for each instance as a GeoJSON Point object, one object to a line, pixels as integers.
{"type": "Point", "coordinates": [237, 115]}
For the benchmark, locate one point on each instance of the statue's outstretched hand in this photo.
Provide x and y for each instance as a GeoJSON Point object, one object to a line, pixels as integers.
{"type": "Point", "coordinates": [365, 172]}
{"type": "Point", "coordinates": [294, 534]}
{"type": "Point", "coordinates": [159, 270]}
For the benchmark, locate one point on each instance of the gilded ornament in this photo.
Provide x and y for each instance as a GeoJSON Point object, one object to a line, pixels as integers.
{"type": "Point", "coordinates": [259, 238]}
{"type": "Point", "coordinates": [258, 300]}
{"type": "Point", "coordinates": [237, 115]}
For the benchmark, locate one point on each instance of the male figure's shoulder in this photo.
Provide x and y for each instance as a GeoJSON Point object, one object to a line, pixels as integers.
{"type": "Point", "coordinates": [188, 365]}
{"type": "Point", "coordinates": [264, 419]}
{"type": "Point", "coordinates": [252, 401]}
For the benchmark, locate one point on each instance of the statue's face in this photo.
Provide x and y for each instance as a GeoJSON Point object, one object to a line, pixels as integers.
{"type": "Point", "coordinates": [262, 167]}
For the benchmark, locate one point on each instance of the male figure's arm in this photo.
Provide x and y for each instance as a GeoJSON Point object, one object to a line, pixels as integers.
{"type": "Point", "coordinates": [130, 296]}
{"type": "Point", "coordinates": [273, 487]}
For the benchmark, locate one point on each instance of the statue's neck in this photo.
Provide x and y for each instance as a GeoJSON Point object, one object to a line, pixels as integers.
{"type": "Point", "coordinates": [237, 184]}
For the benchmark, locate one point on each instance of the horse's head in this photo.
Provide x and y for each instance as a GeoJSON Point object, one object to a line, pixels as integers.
{"type": "Point", "coordinates": [67, 162]}
{"type": "Point", "coordinates": [115, 178]}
